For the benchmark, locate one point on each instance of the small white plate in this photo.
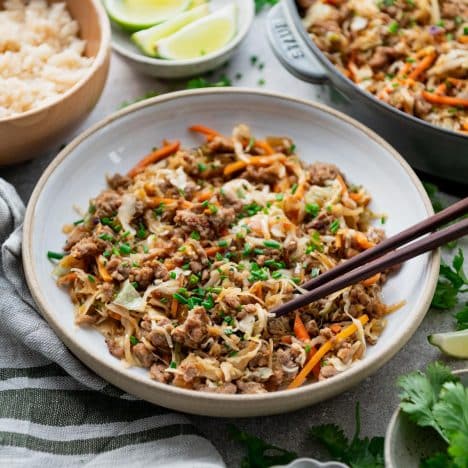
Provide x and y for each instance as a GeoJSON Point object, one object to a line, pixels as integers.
{"type": "Point", "coordinates": [175, 69]}
{"type": "Point", "coordinates": [321, 134]}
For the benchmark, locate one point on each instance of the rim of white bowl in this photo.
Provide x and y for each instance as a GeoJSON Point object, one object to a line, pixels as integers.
{"type": "Point", "coordinates": [233, 43]}
{"type": "Point", "coordinates": [98, 60]}
{"type": "Point", "coordinates": [365, 366]}
{"type": "Point", "coordinates": [389, 433]}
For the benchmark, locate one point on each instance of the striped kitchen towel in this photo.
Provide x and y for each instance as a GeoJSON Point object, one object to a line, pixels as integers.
{"type": "Point", "coordinates": [54, 412]}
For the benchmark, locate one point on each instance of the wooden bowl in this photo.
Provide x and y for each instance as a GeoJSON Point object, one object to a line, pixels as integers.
{"type": "Point", "coordinates": [30, 134]}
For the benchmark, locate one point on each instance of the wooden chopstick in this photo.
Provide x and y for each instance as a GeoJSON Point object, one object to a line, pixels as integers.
{"type": "Point", "coordinates": [430, 242]}
{"type": "Point", "coordinates": [430, 224]}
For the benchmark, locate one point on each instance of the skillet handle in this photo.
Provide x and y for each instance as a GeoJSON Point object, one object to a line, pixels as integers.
{"type": "Point", "coordinates": [290, 49]}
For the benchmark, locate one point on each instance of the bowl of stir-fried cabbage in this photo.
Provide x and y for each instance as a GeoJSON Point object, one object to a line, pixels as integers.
{"type": "Point", "coordinates": [400, 67]}
{"type": "Point", "coordinates": [208, 270]}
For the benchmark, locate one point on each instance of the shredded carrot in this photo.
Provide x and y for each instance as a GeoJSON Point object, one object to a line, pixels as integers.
{"type": "Point", "coordinates": [324, 349]}
{"type": "Point", "coordinates": [264, 145]}
{"type": "Point", "coordinates": [335, 328]}
{"type": "Point", "coordinates": [154, 157]}
{"type": "Point", "coordinates": [372, 280]}
{"type": "Point", "coordinates": [338, 242]}
{"type": "Point", "coordinates": [253, 161]}
{"type": "Point", "coordinates": [422, 66]}
{"type": "Point", "coordinates": [207, 131]}
{"type": "Point", "coordinates": [68, 278]}
{"type": "Point", "coordinates": [286, 339]}
{"type": "Point", "coordinates": [355, 196]}
{"type": "Point", "coordinates": [441, 89]}
{"type": "Point", "coordinates": [363, 241]}
{"type": "Point", "coordinates": [394, 307]}
{"type": "Point", "coordinates": [212, 251]}
{"type": "Point", "coordinates": [463, 39]}
{"type": "Point", "coordinates": [174, 307]}
{"type": "Point", "coordinates": [300, 329]}
{"type": "Point", "coordinates": [205, 196]}
{"type": "Point", "coordinates": [404, 70]}
{"type": "Point", "coordinates": [114, 315]}
{"type": "Point", "coordinates": [444, 100]}
{"type": "Point", "coordinates": [103, 273]}
{"type": "Point", "coordinates": [456, 81]}
{"type": "Point", "coordinates": [154, 202]}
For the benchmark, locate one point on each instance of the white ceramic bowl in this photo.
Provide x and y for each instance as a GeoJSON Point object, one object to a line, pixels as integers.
{"type": "Point", "coordinates": [117, 143]}
{"type": "Point", "coordinates": [174, 69]}
{"type": "Point", "coordinates": [406, 443]}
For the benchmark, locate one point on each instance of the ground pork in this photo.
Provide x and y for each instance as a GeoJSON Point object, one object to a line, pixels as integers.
{"type": "Point", "coordinates": [318, 173]}
{"type": "Point", "coordinates": [194, 330]}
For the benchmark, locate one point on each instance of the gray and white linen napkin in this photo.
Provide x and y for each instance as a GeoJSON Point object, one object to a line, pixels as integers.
{"type": "Point", "coordinates": [55, 412]}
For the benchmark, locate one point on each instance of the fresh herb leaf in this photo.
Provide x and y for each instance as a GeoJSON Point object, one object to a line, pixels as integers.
{"type": "Point", "coordinates": [451, 410]}
{"type": "Point", "coordinates": [439, 460]}
{"type": "Point", "coordinates": [420, 393]}
{"type": "Point", "coordinates": [462, 318]}
{"type": "Point", "coordinates": [358, 453]}
{"type": "Point", "coordinates": [259, 453]}
{"type": "Point", "coordinates": [452, 281]}
{"type": "Point", "coordinates": [458, 448]}
{"type": "Point", "coordinates": [147, 95]}
{"type": "Point", "coordinates": [201, 82]}
{"type": "Point", "coordinates": [432, 191]}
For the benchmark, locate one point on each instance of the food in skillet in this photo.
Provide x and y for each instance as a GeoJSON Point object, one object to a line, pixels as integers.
{"type": "Point", "coordinates": [412, 54]}
{"type": "Point", "coordinates": [178, 262]}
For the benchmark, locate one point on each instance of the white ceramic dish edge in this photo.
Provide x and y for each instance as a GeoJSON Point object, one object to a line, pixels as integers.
{"type": "Point", "coordinates": [199, 402]}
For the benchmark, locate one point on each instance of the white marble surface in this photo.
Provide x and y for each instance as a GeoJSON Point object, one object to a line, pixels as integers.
{"type": "Point", "coordinates": [377, 394]}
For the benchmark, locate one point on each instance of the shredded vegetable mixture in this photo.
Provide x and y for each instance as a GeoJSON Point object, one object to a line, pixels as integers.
{"type": "Point", "coordinates": [178, 263]}
{"type": "Point", "coordinates": [412, 54]}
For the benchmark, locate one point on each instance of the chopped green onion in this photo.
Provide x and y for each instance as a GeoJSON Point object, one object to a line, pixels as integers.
{"type": "Point", "coordinates": [279, 196]}
{"type": "Point", "coordinates": [276, 275]}
{"type": "Point", "coordinates": [107, 253]}
{"type": "Point", "coordinates": [193, 279]}
{"type": "Point", "coordinates": [142, 232]}
{"type": "Point", "coordinates": [393, 27]}
{"type": "Point", "coordinates": [296, 280]}
{"type": "Point", "coordinates": [79, 221]}
{"type": "Point", "coordinates": [173, 275]}
{"type": "Point", "coordinates": [258, 251]}
{"type": "Point", "coordinates": [294, 188]}
{"type": "Point", "coordinates": [219, 257]}
{"type": "Point", "coordinates": [223, 243]}
{"type": "Point", "coordinates": [55, 255]}
{"type": "Point", "coordinates": [134, 340]}
{"type": "Point", "coordinates": [125, 249]}
{"type": "Point", "coordinates": [106, 237]}
{"type": "Point", "coordinates": [126, 234]}
{"type": "Point", "coordinates": [307, 348]}
{"type": "Point", "coordinates": [272, 244]}
{"type": "Point", "coordinates": [179, 298]}
{"type": "Point", "coordinates": [159, 210]}
{"type": "Point", "coordinates": [91, 278]}
{"type": "Point", "coordinates": [135, 284]}
{"type": "Point", "coordinates": [334, 226]}
{"type": "Point", "coordinates": [186, 266]}
{"type": "Point", "coordinates": [173, 365]}
{"type": "Point", "coordinates": [145, 248]}
{"type": "Point", "coordinates": [195, 235]}
{"type": "Point", "coordinates": [312, 209]}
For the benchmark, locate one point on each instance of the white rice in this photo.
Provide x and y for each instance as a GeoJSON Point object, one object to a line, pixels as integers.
{"type": "Point", "coordinates": [41, 55]}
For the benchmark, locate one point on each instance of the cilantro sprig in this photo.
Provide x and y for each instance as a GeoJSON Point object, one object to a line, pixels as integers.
{"type": "Point", "coordinates": [438, 399]}
{"type": "Point", "coordinates": [357, 452]}
{"type": "Point", "coordinates": [452, 282]}
{"type": "Point", "coordinates": [259, 453]}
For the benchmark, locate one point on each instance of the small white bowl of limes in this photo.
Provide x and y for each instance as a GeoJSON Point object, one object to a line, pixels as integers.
{"type": "Point", "coordinates": [178, 38]}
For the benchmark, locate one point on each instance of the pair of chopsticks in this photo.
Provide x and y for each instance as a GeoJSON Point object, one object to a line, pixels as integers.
{"type": "Point", "coordinates": [383, 256]}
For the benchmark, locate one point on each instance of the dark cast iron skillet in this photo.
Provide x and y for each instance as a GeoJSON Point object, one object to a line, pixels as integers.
{"type": "Point", "coordinates": [434, 150]}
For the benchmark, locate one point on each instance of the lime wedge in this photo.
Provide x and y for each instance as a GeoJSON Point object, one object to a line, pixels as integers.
{"type": "Point", "coordinates": [201, 37]}
{"type": "Point", "coordinates": [134, 15]}
{"type": "Point", "coordinates": [453, 343]}
{"type": "Point", "coordinates": [146, 39]}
